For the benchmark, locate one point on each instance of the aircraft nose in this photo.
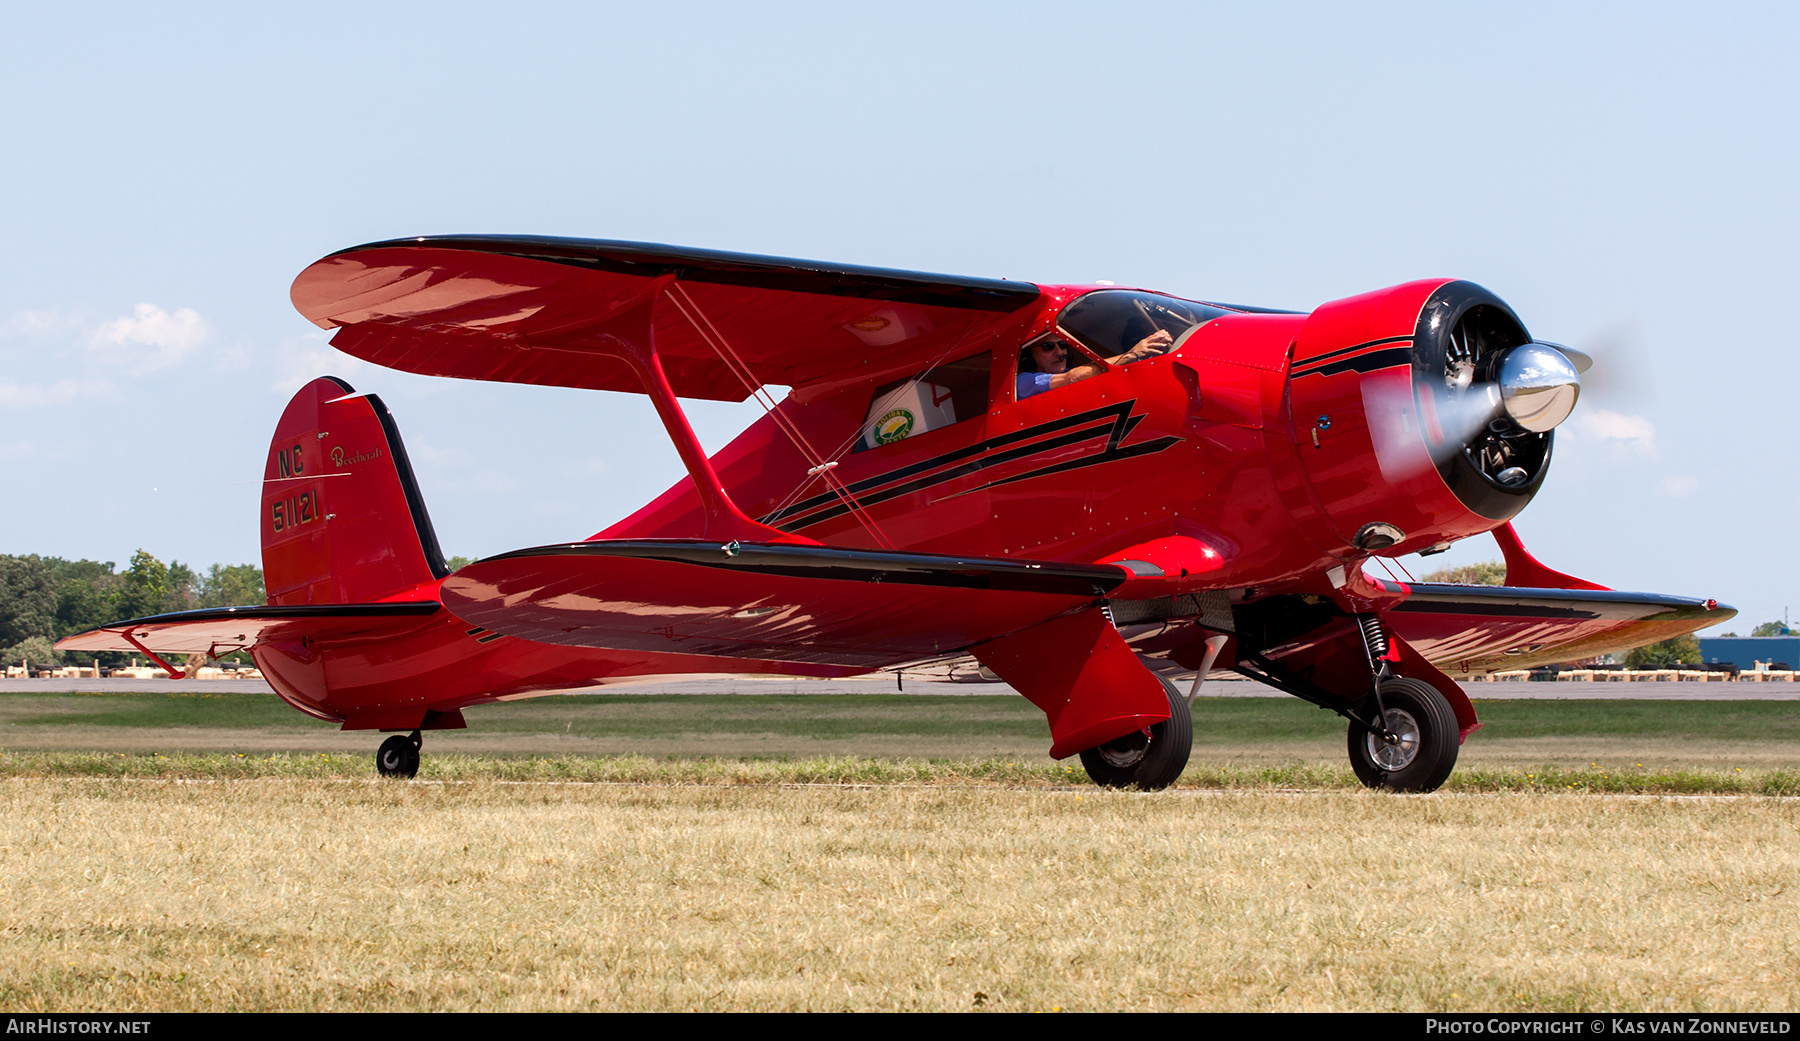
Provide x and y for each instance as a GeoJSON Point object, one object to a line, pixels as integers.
{"type": "Point", "coordinates": [1539, 385]}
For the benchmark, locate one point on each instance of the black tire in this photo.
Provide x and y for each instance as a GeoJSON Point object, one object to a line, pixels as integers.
{"type": "Point", "coordinates": [1430, 740]}
{"type": "Point", "coordinates": [398, 756]}
{"type": "Point", "coordinates": [1148, 760]}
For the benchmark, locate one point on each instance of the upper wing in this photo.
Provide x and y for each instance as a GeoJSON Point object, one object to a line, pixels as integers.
{"type": "Point", "coordinates": [517, 309]}
{"type": "Point", "coordinates": [1465, 629]}
{"type": "Point", "coordinates": [772, 602]}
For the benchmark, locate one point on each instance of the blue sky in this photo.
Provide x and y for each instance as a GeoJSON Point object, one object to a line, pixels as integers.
{"type": "Point", "coordinates": [1623, 175]}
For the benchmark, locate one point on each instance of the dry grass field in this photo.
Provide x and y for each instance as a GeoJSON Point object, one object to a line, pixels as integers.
{"type": "Point", "coordinates": [333, 894]}
{"type": "Point", "coordinates": [189, 851]}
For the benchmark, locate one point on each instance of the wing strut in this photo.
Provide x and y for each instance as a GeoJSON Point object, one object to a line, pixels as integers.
{"type": "Point", "coordinates": [816, 463]}
{"type": "Point", "coordinates": [174, 673]}
{"type": "Point", "coordinates": [629, 335]}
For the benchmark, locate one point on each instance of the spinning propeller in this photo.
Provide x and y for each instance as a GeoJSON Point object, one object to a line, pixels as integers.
{"type": "Point", "coordinates": [1485, 393]}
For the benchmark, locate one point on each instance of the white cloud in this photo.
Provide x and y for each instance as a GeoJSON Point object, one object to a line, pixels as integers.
{"type": "Point", "coordinates": [1634, 432]}
{"type": "Point", "coordinates": [445, 458]}
{"type": "Point", "coordinates": [39, 323]}
{"type": "Point", "coordinates": [152, 338]}
{"type": "Point", "coordinates": [302, 359]}
{"type": "Point", "coordinates": [17, 395]}
{"type": "Point", "coordinates": [1677, 485]}
{"type": "Point", "coordinates": [230, 357]}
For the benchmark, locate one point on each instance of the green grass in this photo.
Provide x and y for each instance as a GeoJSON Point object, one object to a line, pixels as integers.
{"type": "Point", "coordinates": [152, 709]}
{"type": "Point", "coordinates": [1612, 746]}
{"type": "Point", "coordinates": [806, 715]}
{"type": "Point", "coordinates": [996, 771]}
{"type": "Point", "coordinates": [1217, 721]}
{"type": "Point", "coordinates": [1710, 720]}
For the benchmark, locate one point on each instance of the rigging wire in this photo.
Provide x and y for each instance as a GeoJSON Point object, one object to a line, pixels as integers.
{"type": "Point", "coordinates": [850, 443]}
{"type": "Point", "coordinates": [677, 295]}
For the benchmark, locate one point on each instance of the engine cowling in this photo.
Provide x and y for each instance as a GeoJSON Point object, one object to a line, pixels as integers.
{"type": "Point", "coordinates": [1420, 414]}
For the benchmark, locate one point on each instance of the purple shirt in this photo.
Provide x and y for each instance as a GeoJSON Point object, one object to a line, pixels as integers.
{"type": "Point", "coordinates": [1032, 383]}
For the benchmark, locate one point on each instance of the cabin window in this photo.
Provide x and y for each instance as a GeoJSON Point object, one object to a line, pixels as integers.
{"type": "Point", "coordinates": [1110, 322]}
{"type": "Point", "coordinates": [936, 398]}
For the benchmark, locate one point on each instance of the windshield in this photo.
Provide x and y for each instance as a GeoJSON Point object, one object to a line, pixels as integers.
{"type": "Point", "coordinates": [1110, 322]}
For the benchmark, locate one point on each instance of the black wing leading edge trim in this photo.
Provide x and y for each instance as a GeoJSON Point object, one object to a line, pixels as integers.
{"type": "Point", "coordinates": [854, 565]}
{"type": "Point", "coordinates": [281, 613]}
{"type": "Point", "coordinates": [650, 260]}
{"type": "Point", "coordinates": [1530, 602]}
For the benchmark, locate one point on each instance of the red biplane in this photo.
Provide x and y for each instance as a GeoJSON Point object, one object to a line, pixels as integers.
{"type": "Point", "coordinates": [1081, 489]}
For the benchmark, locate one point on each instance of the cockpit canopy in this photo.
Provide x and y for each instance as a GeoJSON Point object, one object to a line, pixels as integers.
{"type": "Point", "coordinates": [1110, 322]}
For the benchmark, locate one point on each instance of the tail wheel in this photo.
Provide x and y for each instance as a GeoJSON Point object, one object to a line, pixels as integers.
{"type": "Point", "coordinates": [1423, 751]}
{"type": "Point", "coordinates": [398, 756]}
{"type": "Point", "coordinates": [1149, 759]}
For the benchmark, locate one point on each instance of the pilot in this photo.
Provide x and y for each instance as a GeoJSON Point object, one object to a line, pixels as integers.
{"type": "Point", "coordinates": [1044, 365]}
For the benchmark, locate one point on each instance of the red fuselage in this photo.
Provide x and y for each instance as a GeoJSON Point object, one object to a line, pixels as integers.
{"type": "Point", "coordinates": [1213, 440]}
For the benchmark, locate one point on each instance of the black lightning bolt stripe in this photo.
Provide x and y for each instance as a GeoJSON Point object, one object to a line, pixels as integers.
{"type": "Point", "coordinates": [1352, 349]}
{"type": "Point", "coordinates": [1109, 413]}
{"type": "Point", "coordinates": [1349, 360]}
{"type": "Point", "coordinates": [1113, 421]}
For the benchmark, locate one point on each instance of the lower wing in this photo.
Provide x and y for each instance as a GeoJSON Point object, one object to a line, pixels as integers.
{"type": "Point", "coordinates": [1472, 629]}
{"type": "Point", "coordinates": [773, 602]}
{"type": "Point", "coordinates": [1038, 624]}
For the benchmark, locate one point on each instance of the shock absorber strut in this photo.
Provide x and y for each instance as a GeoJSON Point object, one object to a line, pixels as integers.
{"type": "Point", "coordinates": [1375, 640]}
{"type": "Point", "coordinates": [1376, 646]}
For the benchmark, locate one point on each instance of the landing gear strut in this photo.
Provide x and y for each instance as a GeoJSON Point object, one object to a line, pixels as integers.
{"type": "Point", "coordinates": [1148, 759]}
{"type": "Point", "coordinates": [1404, 735]}
{"type": "Point", "coordinates": [398, 756]}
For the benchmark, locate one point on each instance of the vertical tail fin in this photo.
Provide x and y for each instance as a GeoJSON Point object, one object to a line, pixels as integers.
{"type": "Point", "coordinates": [342, 519]}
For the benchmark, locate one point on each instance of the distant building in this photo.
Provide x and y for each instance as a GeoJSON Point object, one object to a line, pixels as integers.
{"type": "Point", "coordinates": [1746, 651]}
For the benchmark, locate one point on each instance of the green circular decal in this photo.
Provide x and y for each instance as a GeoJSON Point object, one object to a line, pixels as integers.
{"type": "Point", "coordinates": [893, 427]}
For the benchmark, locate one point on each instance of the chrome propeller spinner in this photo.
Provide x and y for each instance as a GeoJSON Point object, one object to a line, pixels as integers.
{"type": "Point", "coordinates": [1539, 385]}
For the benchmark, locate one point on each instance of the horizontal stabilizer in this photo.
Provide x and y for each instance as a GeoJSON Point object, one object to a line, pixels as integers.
{"type": "Point", "coordinates": [220, 630]}
{"type": "Point", "coordinates": [773, 602]}
{"type": "Point", "coordinates": [1470, 629]}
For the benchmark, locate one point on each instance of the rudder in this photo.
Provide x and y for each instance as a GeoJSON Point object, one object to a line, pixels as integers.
{"type": "Point", "coordinates": [342, 518]}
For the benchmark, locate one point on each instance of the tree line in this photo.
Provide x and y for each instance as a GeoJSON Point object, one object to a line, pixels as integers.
{"type": "Point", "coordinates": [43, 599]}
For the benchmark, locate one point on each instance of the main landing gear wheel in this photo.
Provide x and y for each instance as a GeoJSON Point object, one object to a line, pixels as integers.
{"type": "Point", "coordinates": [1148, 759]}
{"type": "Point", "coordinates": [398, 756]}
{"type": "Point", "coordinates": [1425, 743]}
